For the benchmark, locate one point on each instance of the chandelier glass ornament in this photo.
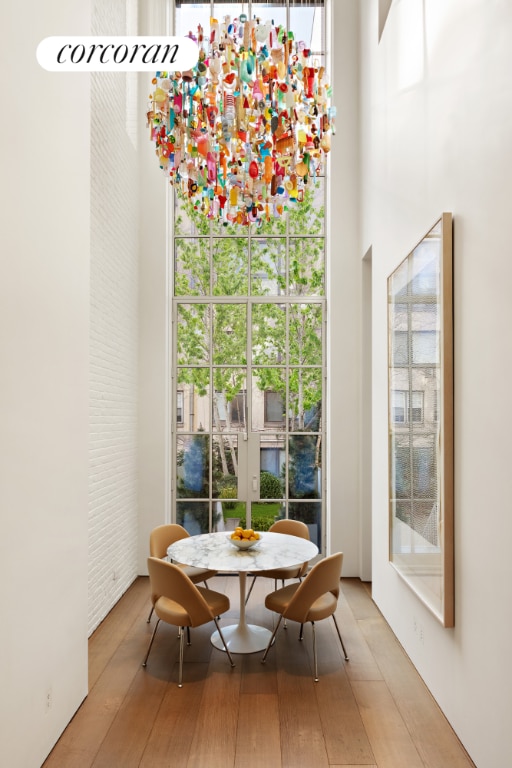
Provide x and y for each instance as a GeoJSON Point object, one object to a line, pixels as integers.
{"type": "Point", "coordinates": [245, 131]}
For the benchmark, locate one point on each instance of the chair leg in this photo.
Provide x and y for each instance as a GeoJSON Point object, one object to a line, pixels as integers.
{"type": "Point", "coordinates": [250, 588]}
{"type": "Point", "coordinates": [285, 626]}
{"type": "Point", "coordinates": [151, 643]}
{"type": "Point", "coordinates": [301, 633]}
{"type": "Point", "coordinates": [188, 636]}
{"type": "Point", "coordinates": [314, 651]}
{"type": "Point", "coordinates": [150, 613]}
{"type": "Point", "coordinates": [224, 643]}
{"type": "Point", "coordinates": [180, 673]}
{"type": "Point", "coordinates": [271, 639]}
{"type": "Point", "coordinates": [339, 635]}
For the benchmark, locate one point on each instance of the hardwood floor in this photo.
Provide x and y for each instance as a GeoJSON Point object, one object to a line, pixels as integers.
{"type": "Point", "coordinates": [373, 710]}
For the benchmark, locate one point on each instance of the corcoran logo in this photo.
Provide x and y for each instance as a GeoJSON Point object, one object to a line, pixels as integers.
{"type": "Point", "coordinates": [116, 54]}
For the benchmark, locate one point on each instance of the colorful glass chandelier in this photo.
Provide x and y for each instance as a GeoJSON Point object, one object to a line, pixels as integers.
{"type": "Point", "coordinates": [244, 132]}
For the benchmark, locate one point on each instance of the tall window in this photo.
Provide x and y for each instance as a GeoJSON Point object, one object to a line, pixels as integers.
{"type": "Point", "coordinates": [249, 340]}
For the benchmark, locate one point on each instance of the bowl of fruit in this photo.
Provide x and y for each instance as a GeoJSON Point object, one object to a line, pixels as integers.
{"type": "Point", "coordinates": [244, 538]}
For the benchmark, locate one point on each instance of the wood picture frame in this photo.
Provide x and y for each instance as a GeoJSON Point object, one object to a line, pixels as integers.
{"type": "Point", "coordinates": [420, 417]}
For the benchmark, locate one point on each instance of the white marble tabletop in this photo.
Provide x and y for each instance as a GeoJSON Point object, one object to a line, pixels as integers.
{"type": "Point", "coordinates": [214, 550]}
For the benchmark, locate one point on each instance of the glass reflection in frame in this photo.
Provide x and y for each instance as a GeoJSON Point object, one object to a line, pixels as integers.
{"type": "Point", "coordinates": [421, 420]}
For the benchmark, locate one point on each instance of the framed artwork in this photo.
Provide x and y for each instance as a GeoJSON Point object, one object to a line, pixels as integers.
{"type": "Point", "coordinates": [420, 389]}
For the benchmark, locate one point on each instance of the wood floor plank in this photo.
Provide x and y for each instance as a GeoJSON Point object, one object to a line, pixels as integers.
{"type": "Point", "coordinates": [344, 733]}
{"type": "Point", "coordinates": [256, 677]}
{"type": "Point", "coordinates": [434, 738]}
{"type": "Point", "coordinates": [174, 726]}
{"type": "Point", "coordinates": [388, 735]}
{"type": "Point", "coordinates": [126, 739]}
{"type": "Point", "coordinates": [362, 662]}
{"type": "Point", "coordinates": [258, 735]}
{"type": "Point", "coordinates": [106, 638]}
{"type": "Point", "coordinates": [302, 742]}
{"type": "Point", "coordinates": [356, 593]}
{"type": "Point", "coordinates": [214, 741]}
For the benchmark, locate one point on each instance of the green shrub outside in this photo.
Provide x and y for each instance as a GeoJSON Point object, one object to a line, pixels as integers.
{"type": "Point", "coordinates": [270, 486]}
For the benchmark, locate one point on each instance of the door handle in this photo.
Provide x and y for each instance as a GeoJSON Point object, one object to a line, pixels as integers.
{"type": "Point", "coordinates": [254, 483]}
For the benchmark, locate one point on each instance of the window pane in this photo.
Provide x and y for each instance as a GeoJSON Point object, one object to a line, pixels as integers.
{"type": "Point", "coordinates": [268, 267]}
{"type": "Point", "coordinates": [275, 225]}
{"type": "Point", "coordinates": [229, 399]}
{"type": "Point", "coordinates": [270, 11]}
{"type": "Point", "coordinates": [195, 397]}
{"type": "Point", "coordinates": [230, 267]}
{"type": "Point", "coordinates": [234, 515]}
{"type": "Point", "coordinates": [268, 399]}
{"type": "Point", "coordinates": [225, 468]}
{"type": "Point", "coordinates": [186, 219]}
{"type": "Point", "coordinates": [305, 337]}
{"type": "Point", "coordinates": [193, 334]}
{"type": "Point", "coordinates": [189, 15]}
{"type": "Point", "coordinates": [264, 513]}
{"type": "Point", "coordinates": [272, 460]}
{"type": "Point", "coordinates": [304, 462]}
{"type": "Point", "coordinates": [308, 217]}
{"type": "Point", "coordinates": [307, 22]}
{"type": "Point", "coordinates": [192, 466]}
{"type": "Point", "coordinates": [268, 334]}
{"type": "Point", "coordinates": [305, 399]}
{"type": "Point", "coordinates": [309, 512]}
{"type": "Point", "coordinates": [193, 516]}
{"type": "Point", "coordinates": [306, 270]}
{"type": "Point", "coordinates": [192, 267]}
{"type": "Point", "coordinates": [229, 334]}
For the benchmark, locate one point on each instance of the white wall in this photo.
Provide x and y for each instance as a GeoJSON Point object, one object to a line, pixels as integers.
{"type": "Point", "coordinates": [113, 478]}
{"type": "Point", "coordinates": [44, 308]}
{"type": "Point", "coordinates": [437, 127]}
{"type": "Point", "coordinates": [345, 495]}
{"type": "Point", "coordinates": [153, 321]}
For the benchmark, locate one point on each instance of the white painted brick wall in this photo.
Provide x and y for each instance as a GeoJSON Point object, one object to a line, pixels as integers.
{"type": "Point", "coordinates": [113, 512]}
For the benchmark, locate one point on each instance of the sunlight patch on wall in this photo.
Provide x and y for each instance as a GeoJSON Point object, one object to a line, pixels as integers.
{"type": "Point", "coordinates": [410, 42]}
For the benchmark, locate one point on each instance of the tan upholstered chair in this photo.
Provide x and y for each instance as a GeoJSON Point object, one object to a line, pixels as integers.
{"type": "Point", "coordinates": [161, 538]}
{"type": "Point", "coordinates": [313, 599]}
{"type": "Point", "coordinates": [292, 528]}
{"type": "Point", "coordinates": [179, 602]}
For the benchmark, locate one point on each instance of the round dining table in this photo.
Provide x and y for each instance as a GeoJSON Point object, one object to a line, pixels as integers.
{"type": "Point", "coordinates": [215, 551]}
